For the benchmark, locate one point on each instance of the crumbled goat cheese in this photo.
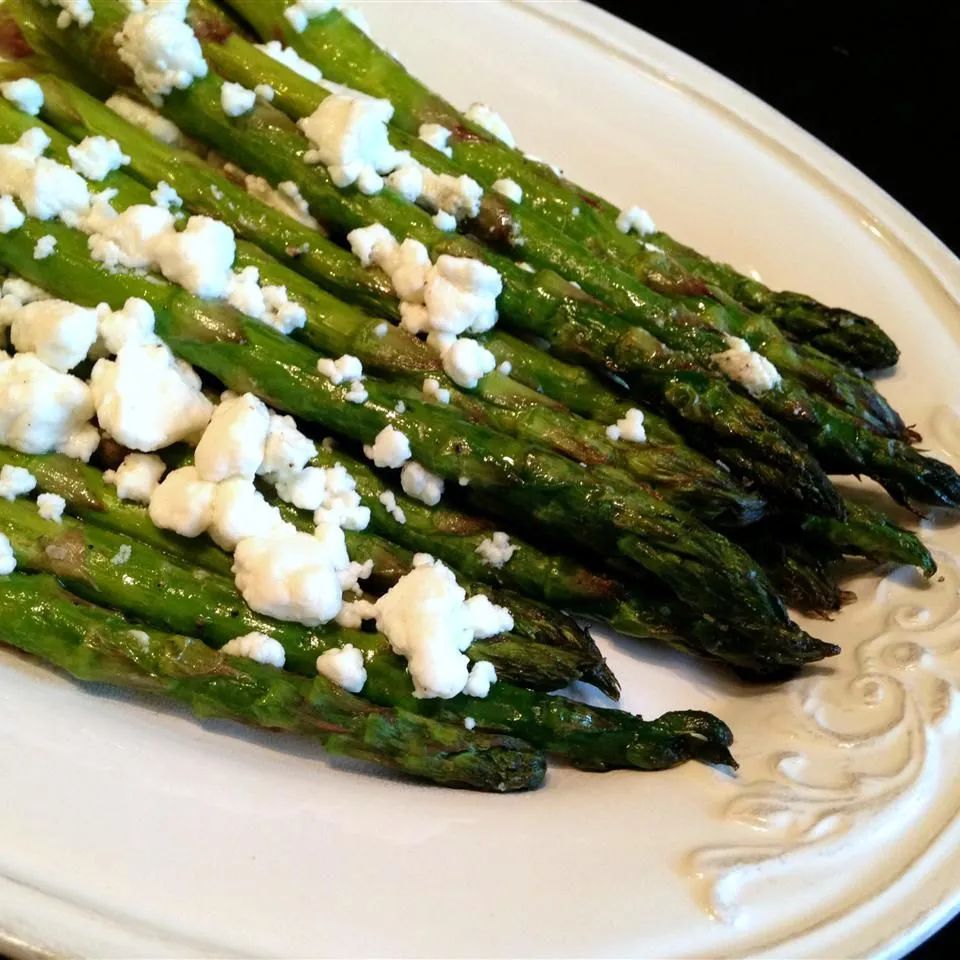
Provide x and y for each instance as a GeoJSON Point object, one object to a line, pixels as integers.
{"type": "Point", "coordinates": [344, 667]}
{"type": "Point", "coordinates": [653, 248]}
{"type": "Point", "coordinates": [354, 612]}
{"type": "Point", "coordinates": [506, 368]}
{"type": "Point", "coordinates": [199, 257]}
{"type": "Point", "coordinates": [390, 448]}
{"type": "Point", "coordinates": [264, 91]}
{"type": "Point", "coordinates": [127, 239]}
{"type": "Point", "coordinates": [11, 217]}
{"type": "Point", "coordinates": [421, 484]}
{"type": "Point", "coordinates": [240, 511]}
{"type": "Point", "coordinates": [50, 506]}
{"type": "Point", "coordinates": [349, 136]}
{"type": "Point", "coordinates": [140, 115]}
{"type": "Point", "coordinates": [286, 198]}
{"type": "Point", "coordinates": [533, 158]}
{"type": "Point", "coordinates": [636, 219]}
{"type": "Point", "coordinates": [389, 500]}
{"type": "Point", "coordinates": [165, 196]}
{"type": "Point", "coordinates": [426, 619]}
{"type": "Point", "coordinates": [258, 647]}
{"type": "Point", "coordinates": [288, 577]}
{"type": "Point", "coordinates": [437, 136]}
{"type": "Point", "coordinates": [25, 94]}
{"type": "Point", "coordinates": [305, 489]}
{"type": "Point", "coordinates": [138, 476]}
{"type": "Point", "coordinates": [438, 192]}
{"type": "Point", "coordinates": [81, 443]}
{"type": "Point", "coordinates": [23, 291]}
{"type": "Point", "coordinates": [509, 189]}
{"type": "Point", "coordinates": [41, 409]}
{"type": "Point", "coordinates": [750, 369]}
{"type": "Point", "coordinates": [469, 723]}
{"type": "Point", "coordinates": [58, 332]}
{"type": "Point", "coordinates": [341, 502]}
{"type": "Point", "coordinates": [235, 439]}
{"type": "Point", "coordinates": [132, 324]}
{"type": "Point", "coordinates": [357, 393]}
{"type": "Point", "coordinates": [629, 427]}
{"type": "Point", "coordinates": [487, 619]}
{"type": "Point", "coordinates": [301, 12]}
{"type": "Point", "coordinates": [8, 562]}
{"type": "Point", "coordinates": [161, 49]}
{"type": "Point", "coordinates": [15, 482]}
{"type": "Point", "coordinates": [342, 370]}
{"type": "Point", "coordinates": [381, 329]}
{"type": "Point", "coordinates": [122, 556]}
{"type": "Point", "coordinates": [433, 391]}
{"type": "Point", "coordinates": [46, 189]}
{"type": "Point", "coordinates": [482, 677]}
{"type": "Point", "coordinates": [491, 121]}
{"type": "Point", "coordinates": [95, 157]}
{"type": "Point", "coordinates": [291, 59]}
{"type": "Point", "coordinates": [465, 362]}
{"type": "Point", "coordinates": [183, 503]}
{"type": "Point", "coordinates": [460, 295]}
{"type": "Point", "coordinates": [236, 100]}
{"type": "Point", "coordinates": [496, 550]}
{"type": "Point", "coordinates": [444, 221]}
{"type": "Point", "coordinates": [146, 399]}
{"type": "Point", "coordinates": [287, 450]}
{"type": "Point", "coordinates": [74, 11]}
{"type": "Point", "coordinates": [44, 247]}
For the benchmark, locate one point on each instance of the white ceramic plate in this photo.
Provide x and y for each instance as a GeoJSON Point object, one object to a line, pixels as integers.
{"type": "Point", "coordinates": [128, 829]}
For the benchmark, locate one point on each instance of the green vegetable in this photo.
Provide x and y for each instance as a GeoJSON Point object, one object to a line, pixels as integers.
{"type": "Point", "coordinates": [94, 645]}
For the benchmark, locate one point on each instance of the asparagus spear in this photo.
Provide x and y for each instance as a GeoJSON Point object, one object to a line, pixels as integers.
{"type": "Point", "coordinates": [541, 304]}
{"type": "Point", "coordinates": [94, 645]}
{"type": "Point", "coordinates": [700, 566]}
{"type": "Point", "coordinates": [347, 55]}
{"type": "Point", "coordinates": [594, 739]}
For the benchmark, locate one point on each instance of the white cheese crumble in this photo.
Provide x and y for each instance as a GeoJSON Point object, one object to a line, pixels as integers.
{"type": "Point", "coordinates": [482, 677]}
{"type": "Point", "coordinates": [240, 511]}
{"type": "Point", "coordinates": [122, 556]}
{"type": "Point", "coordinates": [265, 92]}
{"type": "Point", "coordinates": [25, 94]}
{"type": "Point", "coordinates": [146, 399]}
{"type": "Point", "coordinates": [509, 189]}
{"type": "Point", "coordinates": [287, 450]}
{"type": "Point", "coordinates": [301, 12]}
{"type": "Point", "coordinates": [426, 619]}
{"type": "Point", "coordinates": [354, 612]}
{"type": "Point", "coordinates": [381, 329]}
{"type": "Point", "coordinates": [390, 448]}
{"type": "Point", "coordinates": [41, 409]}
{"type": "Point", "coordinates": [444, 221]}
{"type": "Point", "coordinates": [11, 216]}
{"type": "Point", "coordinates": [345, 369]}
{"type": "Point", "coordinates": [491, 121]}
{"type": "Point", "coordinates": [132, 324]}
{"type": "Point", "coordinates": [288, 577]}
{"type": "Point", "coordinates": [433, 391]}
{"type": "Point", "coordinates": [183, 503]}
{"type": "Point", "coordinates": [469, 723]}
{"type": "Point", "coordinates": [96, 157]}
{"type": "Point", "coordinates": [165, 196]}
{"type": "Point", "coordinates": [636, 219]}
{"type": "Point", "coordinates": [44, 247]}
{"type": "Point", "coordinates": [140, 115]}
{"type": "Point", "coordinates": [235, 439]}
{"type": "Point", "coordinates": [437, 136]}
{"type": "Point", "coordinates": [306, 489]}
{"type": "Point", "coordinates": [506, 368]}
{"type": "Point", "coordinates": [15, 482]}
{"type": "Point", "coordinates": [161, 49]}
{"type": "Point", "coordinates": [496, 550]}
{"type": "Point", "coordinates": [236, 100]}
{"type": "Point", "coordinates": [58, 332]}
{"type": "Point", "coordinates": [341, 502]}
{"type": "Point", "coordinates": [357, 393]}
{"type": "Point", "coordinates": [344, 667]}
{"type": "Point", "coordinates": [286, 198]}
{"type": "Point", "coordinates": [389, 500]}
{"type": "Point", "coordinates": [8, 562]}
{"type": "Point", "coordinates": [421, 484]}
{"type": "Point", "coordinates": [750, 369]}
{"type": "Point", "coordinates": [74, 11]}
{"type": "Point", "coordinates": [291, 59]}
{"type": "Point", "coordinates": [629, 427]}
{"type": "Point", "coordinates": [257, 646]}
{"type": "Point", "coordinates": [138, 476]}
{"type": "Point", "coordinates": [465, 361]}
{"type": "Point", "coordinates": [50, 506]}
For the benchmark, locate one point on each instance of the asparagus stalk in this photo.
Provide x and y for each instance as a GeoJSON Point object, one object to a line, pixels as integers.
{"type": "Point", "coordinates": [595, 739]}
{"type": "Point", "coordinates": [347, 55]}
{"type": "Point", "coordinates": [264, 141]}
{"type": "Point", "coordinates": [700, 566]}
{"type": "Point", "coordinates": [681, 475]}
{"type": "Point", "coordinates": [94, 645]}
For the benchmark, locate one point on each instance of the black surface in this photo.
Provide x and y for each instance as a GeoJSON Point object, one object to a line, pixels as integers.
{"type": "Point", "coordinates": [876, 82]}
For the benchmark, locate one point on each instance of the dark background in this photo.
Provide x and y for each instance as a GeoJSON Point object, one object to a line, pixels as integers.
{"type": "Point", "coordinates": [877, 82]}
